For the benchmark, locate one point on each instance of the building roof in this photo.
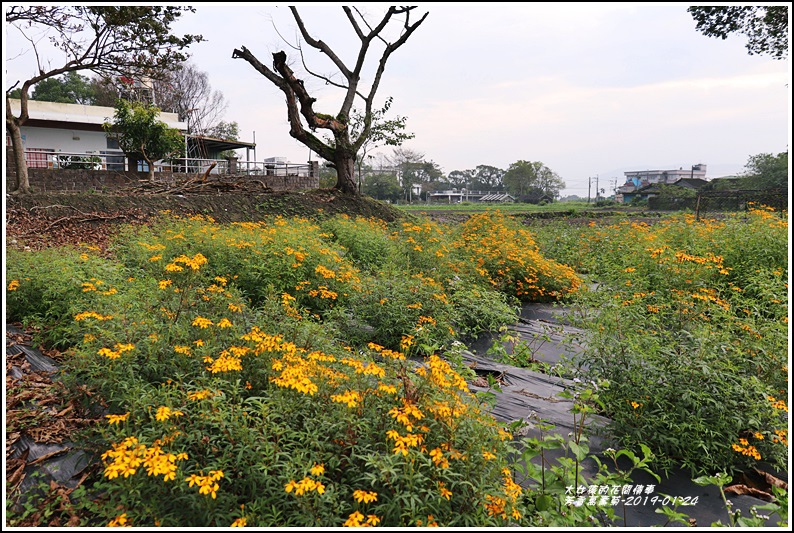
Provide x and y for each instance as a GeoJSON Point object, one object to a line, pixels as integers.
{"type": "Point", "coordinates": [208, 145]}
{"type": "Point", "coordinates": [496, 197]}
{"type": "Point", "coordinates": [81, 114]}
{"type": "Point", "coordinates": [691, 183]}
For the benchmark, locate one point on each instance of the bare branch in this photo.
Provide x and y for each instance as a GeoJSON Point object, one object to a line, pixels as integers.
{"type": "Point", "coordinates": [320, 45]}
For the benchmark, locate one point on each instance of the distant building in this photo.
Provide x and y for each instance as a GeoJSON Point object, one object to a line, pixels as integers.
{"type": "Point", "coordinates": [456, 196]}
{"type": "Point", "coordinates": [637, 180]}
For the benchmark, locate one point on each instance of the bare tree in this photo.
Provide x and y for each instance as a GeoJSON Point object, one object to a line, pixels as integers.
{"type": "Point", "coordinates": [187, 92]}
{"type": "Point", "coordinates": [108, 40]}
{"type": "Point", "coordinates": [304, 120]}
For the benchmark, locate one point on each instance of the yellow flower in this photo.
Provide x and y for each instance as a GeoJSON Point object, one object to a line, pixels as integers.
{"type": "Point", "coordinates": [317, 470]}
{"type": "Point", "coordinates": [115, 419]}
{"type": "Point", "coordinates": [90, 314]}
{"type": "Point", "coordinates": [224, 323]}
{"type": "Point", "coordinates": [164, 413]}
{"type": "Point", "coordinates": [120, 521]}
{"type": "Point", "coordinates": [202, 322]}
{"type": "Point", "coordinates": [362, 496]}
{"type": "Point", "coordinates": [240, 522]}
{"type": "Point", "coordinates": [14, 285]}
{"type": "Point", "coordinates": [354, 520]}
{"type": "Point", "coordinates": [200, 395]}
{"type": "Point", "coordinates": [163, 284]}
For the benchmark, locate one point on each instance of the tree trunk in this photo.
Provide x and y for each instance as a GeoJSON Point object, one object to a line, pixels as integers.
{"type": "Point", "coordinates": [21, 185]}
{"type": "Point", "coordinates": [346, 174]}
{"type": "Point", "coordinates": [150, 164]}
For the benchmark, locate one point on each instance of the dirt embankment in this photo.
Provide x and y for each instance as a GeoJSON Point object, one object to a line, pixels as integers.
{"type": "Point", "coordinates": [51, 219]}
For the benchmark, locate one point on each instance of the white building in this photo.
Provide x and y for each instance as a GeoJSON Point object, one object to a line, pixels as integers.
{"type": "Point", "coordinates": [55, 131]}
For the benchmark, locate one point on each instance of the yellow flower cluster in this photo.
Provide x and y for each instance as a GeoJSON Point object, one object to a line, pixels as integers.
{"type": "Point", "coordinates": [118, 349]}
{"type": "Point", "coordinates": [745, 448]}
{"type": "Point", "coordinates": [497, 506]}
{"type": "Point", "coordinates": [356, 519]}
{"type": "Point", "coordinates": [153, 247]}
{"type": "Point", "coordinates": [200, 395]}
{"type": "Point", "coordinates": [120, 521]}
{"type": "Point", "coordinates": [363, 496]}
{"type": "Point", "coordinates": [778, 404]}
{"type": "Point", "coordinates": [303, 486]}
{"type": "Point", "coordinates": [207, 484]}
{"type": "Point", "coordinates": [90, 314]}
{"type": "Point", "coordinates": [115, 419]}
{"type": "Point", "coordinates": [164, 413]}
{"type": "Point", "coordinates": [386, 352]}
{"type": "Point", "coordinates": [323, 292]}
{"type": "Point", "coordinates": [351, 398]}
{"type": "Point", "coordinates": [402, 443]}
{"type": "Point", "coordinates": [508, 258]}
{"type": "Point", "coordinates": [442, 374]}
{"type": "Point", "coordinates": [404, 414]}
{"type": "Point", "coordinates": [325, 272]}
{"type": "Point", "coordinates": [202, 322]}
{"type": "Point", "coordinates": [128, 455]}
{"type": "Point", "coordinates": [226, 362]}
{"type": "Point", "coordinates": [194, 263]}
{"type": "Point", "coordinates": [368, 368]}
{"type": "Point", "coordinates": [13, 285]}
{"type": "Point", "coordinates": [437, 455]}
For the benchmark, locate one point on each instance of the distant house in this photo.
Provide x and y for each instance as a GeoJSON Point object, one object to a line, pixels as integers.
{"type": "Point", "coordinates": [655, 189]}
{"type": "Point", "coordinates": [638, 181]}
{"type": "Point", "coordinates": [691, 183]}
{"type": "Point", "coordinates": [455, 196]}
{"type": "Point", "coordinates": [62, 135]}
{"type": "Point", "coordinates": [498, 197]}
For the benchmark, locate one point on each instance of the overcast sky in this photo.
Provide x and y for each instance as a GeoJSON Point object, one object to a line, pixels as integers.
{"type": "Point", "coordinates": [586, 88]}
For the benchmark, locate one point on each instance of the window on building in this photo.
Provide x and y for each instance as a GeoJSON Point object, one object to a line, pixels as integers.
{"type": "Point", "coordinates": [114, 160]}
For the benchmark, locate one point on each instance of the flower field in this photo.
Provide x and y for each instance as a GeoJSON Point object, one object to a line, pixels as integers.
{"type": "Point", "coordinates": [691, 332]}
{"type": "Point", "coordinates": [302, 373]}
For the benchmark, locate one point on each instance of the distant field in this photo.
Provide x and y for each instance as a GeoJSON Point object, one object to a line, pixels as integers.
{"type": "Point", "coordinates": [510, 208]}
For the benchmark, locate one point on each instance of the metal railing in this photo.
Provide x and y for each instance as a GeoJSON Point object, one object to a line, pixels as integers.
{"type": "Point", "coordinates": [263, 168]}
{"type": "Point", "coordinates": [37, 158]}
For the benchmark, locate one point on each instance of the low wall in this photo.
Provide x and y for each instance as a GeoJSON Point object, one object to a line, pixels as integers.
{"type": "Point", "coordinates": [78, 180]}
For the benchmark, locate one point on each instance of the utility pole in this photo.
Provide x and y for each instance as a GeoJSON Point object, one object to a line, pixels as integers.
{"type": "Point", "coordinates": [589, 181]}
{"type": "Point", "coordinates": [589, 185]}
{"type": "Point", "coordinates": [597, 189]}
